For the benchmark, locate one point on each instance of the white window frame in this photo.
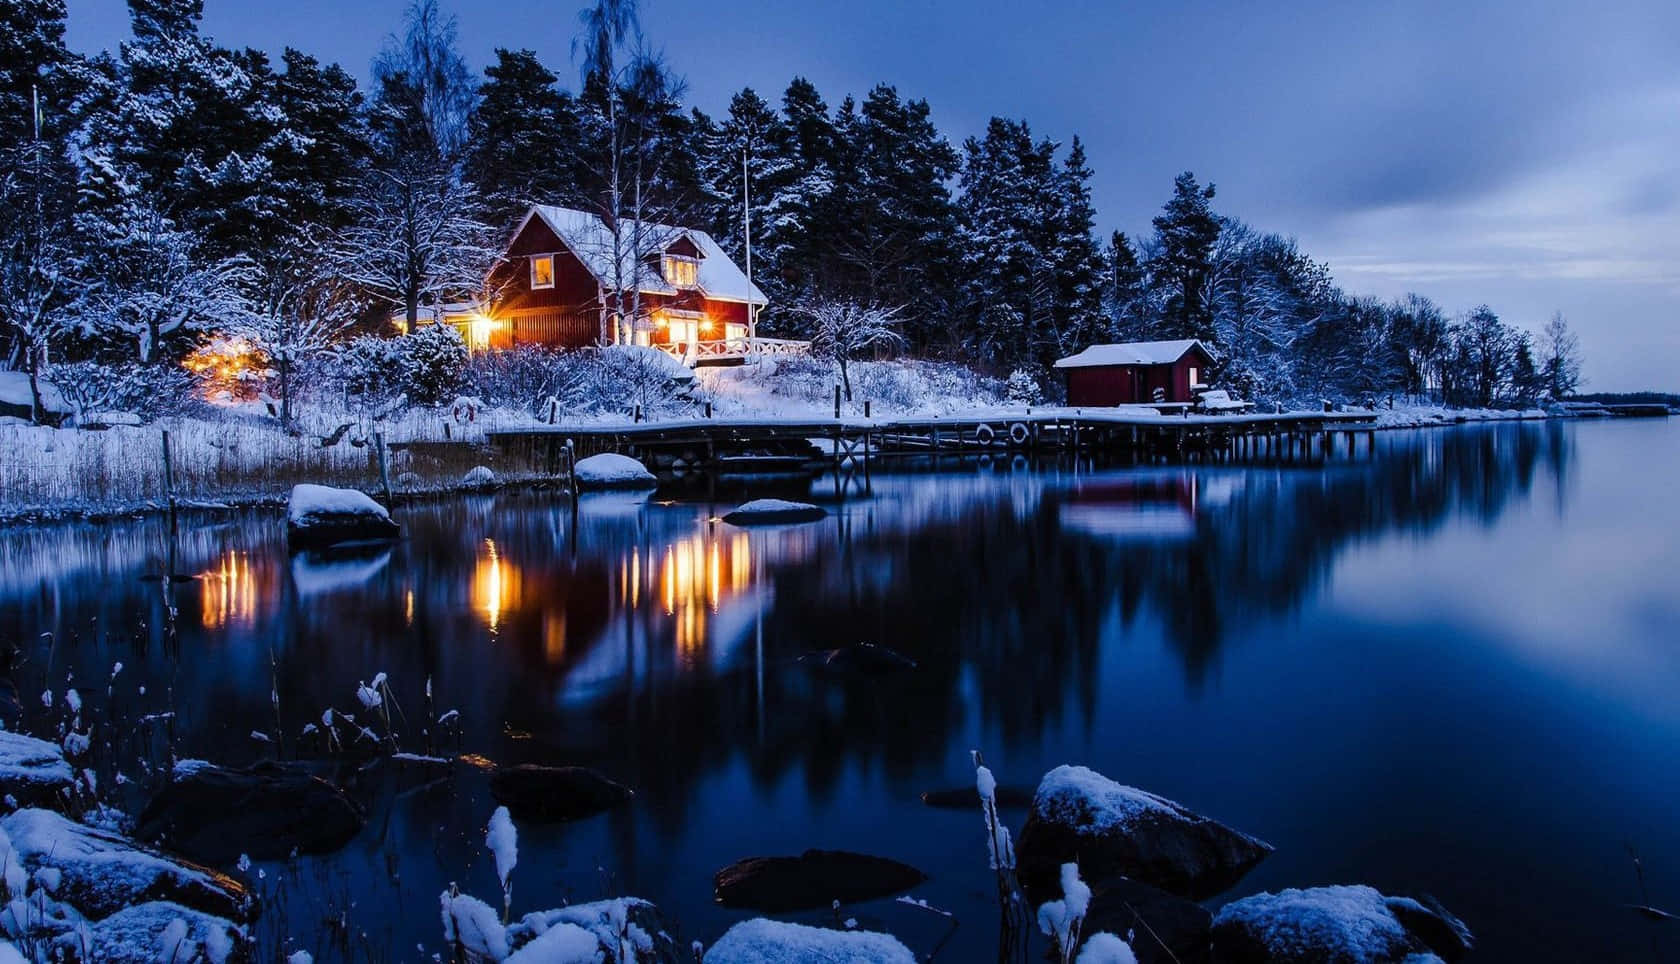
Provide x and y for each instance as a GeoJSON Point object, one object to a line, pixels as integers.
{"type": "Point", "coordinates": [665, 268]}
{"type": "Point", "coordinates": [551, 273]}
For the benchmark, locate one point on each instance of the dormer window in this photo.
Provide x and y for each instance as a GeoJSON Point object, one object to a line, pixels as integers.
{"type": "Point", "coordinates": [542, 271]}
{"type": "Point", "coordinates": [682, 272]}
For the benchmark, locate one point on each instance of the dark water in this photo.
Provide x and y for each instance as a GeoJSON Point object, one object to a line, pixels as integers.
{"type": "Point", "coordinates": [1451, 669]}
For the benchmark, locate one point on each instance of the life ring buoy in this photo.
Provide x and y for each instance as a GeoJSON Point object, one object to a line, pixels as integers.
{"type": "Point", "coordinates": [984, 435]}
{"type": "Point", "coordinates": [1019, 433]}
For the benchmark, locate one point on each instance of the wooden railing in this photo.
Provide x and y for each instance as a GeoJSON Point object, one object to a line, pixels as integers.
{"type": "Point", "coordinates": [722, 349]}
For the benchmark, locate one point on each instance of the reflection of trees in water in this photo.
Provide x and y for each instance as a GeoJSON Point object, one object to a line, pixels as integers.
{"type": "Point", "coordinates": [589, 649]}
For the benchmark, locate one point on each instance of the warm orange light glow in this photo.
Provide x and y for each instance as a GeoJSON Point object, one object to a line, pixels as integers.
{"type": "Point", "coordinates": [496, 586]}
{"type": "Point", "coordinates": [229, 370]}
{"type": "Point", "coordinates": [696, 576]}
{"type": "Point", "coordinates": [479, 330]}
{"type": "Point", "coordinates": [228, 592]}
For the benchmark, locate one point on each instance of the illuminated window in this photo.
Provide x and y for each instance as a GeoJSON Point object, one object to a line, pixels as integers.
{"type": "Point", "coordinates": [542, 271]}
{"type": "Point", "coordinates": [682, 272]}
{"type": "Point", "coordinates": [1193, 373]}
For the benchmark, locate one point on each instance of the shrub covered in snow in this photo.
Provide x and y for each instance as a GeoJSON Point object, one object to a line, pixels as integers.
{"type": "Point", "coordinates": [435, 363]}
{"type": "Point", "coordinates": [1022, 387]}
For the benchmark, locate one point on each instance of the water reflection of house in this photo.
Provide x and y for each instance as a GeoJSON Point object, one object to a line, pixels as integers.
{"type": "Point", "coordinates": [1150, 508]}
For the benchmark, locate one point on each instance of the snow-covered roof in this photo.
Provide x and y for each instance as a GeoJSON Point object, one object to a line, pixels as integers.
{"type": "Point", "coordinates": [591, 240]}
{"type": "Point", "coordinates": [1131, 353]}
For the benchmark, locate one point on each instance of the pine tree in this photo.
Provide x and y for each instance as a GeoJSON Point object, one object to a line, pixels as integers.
{"type": "Point", "coordinates": [751, 142]}
{"type": "Point", "coordinates": [524, 140]}
{"type": "Point", "coordinates": [1185, 233]}
{"type": "Point", "coordinates": [1076, 259]}
{"type": "Point", "coordinates": [35, 68]}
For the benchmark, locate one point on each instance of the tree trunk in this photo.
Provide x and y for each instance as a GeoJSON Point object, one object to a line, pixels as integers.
{"type": "Point", "coordinates": [285, 393]}
{"type": "Point", "coordinates": [846, 377]}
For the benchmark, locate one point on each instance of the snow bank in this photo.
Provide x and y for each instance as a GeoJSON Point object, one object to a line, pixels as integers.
{"type": "Point", "coordinates": [762, 941]}
{"type": "Point", "coordinates": [313, 504]}
{"type": "Point", "coordinates": [610, 470]}
{"type": "Point", "coordinates": [15, 393]}
{"type": "Point", "coordinates": [774, 511]}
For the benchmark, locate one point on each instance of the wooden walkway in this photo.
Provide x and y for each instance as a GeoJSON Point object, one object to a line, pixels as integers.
{"type": "Point", "coordinates": [711, 444]}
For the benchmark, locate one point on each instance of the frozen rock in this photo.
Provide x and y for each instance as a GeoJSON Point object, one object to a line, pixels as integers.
{"type": "Point", "coordinates": [319, 516]}
{"type": "Point", "coordinates": [479, 475]}
{"type": "Point", "coordinates": [1115, 830]}
{"type": "Point", "coordinates": [612, 471]}
{"type": "Point", "coordinates": [33, 771]}
{"type": "Point", "coordinates": [761, 941]}
{"type": "Point", "coordinates": [553, 794]}
{"type": "Point", "coordinates": [816, 878]}
{"type": "Point", "coordinates": [100, 873]}
{"type": "Point", "coordinates": [160, 931]}
{"type": "Point", "coordinates": [214, 814]}
{"type": "Point", "coordinates": [1353, 924]}
{"type": "Point", "coordinates": [608, 922]}
{"type": "Point", "coordinates": [774, 512]}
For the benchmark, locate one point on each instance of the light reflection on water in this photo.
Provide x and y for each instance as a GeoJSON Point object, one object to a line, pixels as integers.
{"type": "Point", "coordinates": [1303, 654]}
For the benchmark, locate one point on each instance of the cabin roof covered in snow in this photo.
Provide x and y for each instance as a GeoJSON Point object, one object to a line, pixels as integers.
{"type": "Point", "coordinates": [588, 237]}
{"type": "Point", "coordinates": [1131, 353]}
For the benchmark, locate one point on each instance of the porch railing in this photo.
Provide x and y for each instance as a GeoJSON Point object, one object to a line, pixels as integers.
{"type": "Point", "coordinates": [731, 348]}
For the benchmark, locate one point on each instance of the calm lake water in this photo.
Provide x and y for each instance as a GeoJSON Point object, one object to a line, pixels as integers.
{"type": "Point", "coordinates": [1453, 669]}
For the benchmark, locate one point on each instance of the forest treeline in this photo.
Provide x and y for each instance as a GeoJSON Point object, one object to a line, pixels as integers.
{"type": "Point", "coordinates": [176, 190]}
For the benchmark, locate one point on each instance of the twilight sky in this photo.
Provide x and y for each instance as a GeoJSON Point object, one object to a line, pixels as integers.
{"type": "Point", "coordinates": [1520, 153]}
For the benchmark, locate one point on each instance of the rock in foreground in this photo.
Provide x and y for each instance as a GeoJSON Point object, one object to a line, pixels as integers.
{"type": "Point", "coordinates": [1165, 928]}
{"type": "Point", "coordinates": [33, 772]}
{"type": "Point", "coordinates": [553, 794]}
{"type": "Point", "coordinates": [1114, 830]}
{"type": "Point", "coordinates": [268, 812]}
{"type": "Point", "coordinates": [816, 878]}
{"type": "Point", "coordinates": [610, 471]}
{"type": "Point", "coordinates": [604, 921]}
{"type": "Point", "coordinates": [1333, 925]}
{"type": "Point", "coordinates": [159, 931]}
{"type": "Point", "coordinates": [774, 512]}
{"type": "Point", "coordinates": [100, 873]}
{"type": "Point", "coordinates": [320, 517]}
{"type": "Point", "coordinates": [763, 941]}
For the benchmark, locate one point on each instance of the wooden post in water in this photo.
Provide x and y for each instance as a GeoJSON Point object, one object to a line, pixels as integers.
{"type": "Point", "coordinates": [384, 467]}
{"type": "Point", "coordinates": [168, 476]}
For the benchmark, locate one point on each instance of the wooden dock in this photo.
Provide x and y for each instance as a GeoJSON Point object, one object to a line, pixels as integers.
{"type": "Point", "coordinates": [713, 444]}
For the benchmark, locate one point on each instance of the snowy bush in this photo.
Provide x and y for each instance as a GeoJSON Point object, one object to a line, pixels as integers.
{"type": "Point", "coordinates": [150, 391]}
{"type": "Point", "coordinates": [526, 377]}
{"type": "Point", "coordinates": [434, 363]}
{"type": "Point", "coordinates": [1022, 388]}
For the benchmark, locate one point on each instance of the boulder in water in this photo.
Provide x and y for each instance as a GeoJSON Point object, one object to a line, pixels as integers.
{"type": "Point", "coordinates": [268, 812]}
{"type": "Point", "coordinates": [1349, 923]}
{"type": "Point", "coordinates": [479, 476]}
{"type": "Point", "coordinates": [1164, 928]}
{"type": "Point", "coordinates": [320, 517]}
{"type": "Point", "coordinates": [816, 878]}
{"type": "Point", "coordinates": [553, 794]}
{"type": "Point", "coordinates": [761, 941]}
{"type": "Point", "coordinates": [1114, 830]}
{"type": "Point", "coordinates": [612, 471]}
{"type": "Point", "coordinates": [774, 512]}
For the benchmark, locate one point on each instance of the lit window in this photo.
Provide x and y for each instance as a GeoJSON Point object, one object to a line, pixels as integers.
{"type": "Point", "coordinates": [1193, 373]}
{"type": "Point", "coordinates": [542, 271]}
{"type": "Point", "coordinates": [682, 272]}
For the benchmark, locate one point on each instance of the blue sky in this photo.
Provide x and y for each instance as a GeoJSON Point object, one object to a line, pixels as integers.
{"type": "Point", "coordinates": [1513, 152]}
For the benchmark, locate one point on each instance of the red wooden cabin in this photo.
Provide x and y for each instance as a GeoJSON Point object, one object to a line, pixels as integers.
{"type": "Point", "coordinates": [1135, 373]}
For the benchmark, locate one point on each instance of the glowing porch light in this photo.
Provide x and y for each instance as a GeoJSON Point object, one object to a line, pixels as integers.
{"type": "Point", "coordinates": [479, 330]}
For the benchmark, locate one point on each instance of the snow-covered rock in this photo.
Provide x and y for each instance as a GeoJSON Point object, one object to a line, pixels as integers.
{"type": "Point", "coordinates": [1112, 829]}
{"type": "Point", "coordinates": [1353, 924]}
{"type": "Point", "coordinates": [774, 512]}
{"type": "Point", "coordinates": [473, 926]}
{"type": "Point", "coordinates": [161, 931]}
{"type": "Point", "coordinates": [215, 814]}
{"type": "Point", "coordinates": [761, 941]}
{"type": "Point", "coordinates": [320, 516]}
{"type": "Point", "coordinates": [560, 944]}
{"type": "Point", "coordinates": [100, 873]}
{"type": "Point", "coordinates": [610, 470]}
{"type": "Point", "coordinates": [33, 771]}
{"type": "Point", "coordinates": [1104, 948]}
{"type": "Point", "coordinates": [479, 475]}
{"type": "Point", "coordinates": [610, 924]}
{"type": "Point", "coordinates": [552, 794]}
{"type": "Point", "coordinates": [815, 878]}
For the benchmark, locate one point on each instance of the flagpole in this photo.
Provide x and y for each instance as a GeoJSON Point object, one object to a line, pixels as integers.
{"type": "Point", "coordinates": [746, 229]}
